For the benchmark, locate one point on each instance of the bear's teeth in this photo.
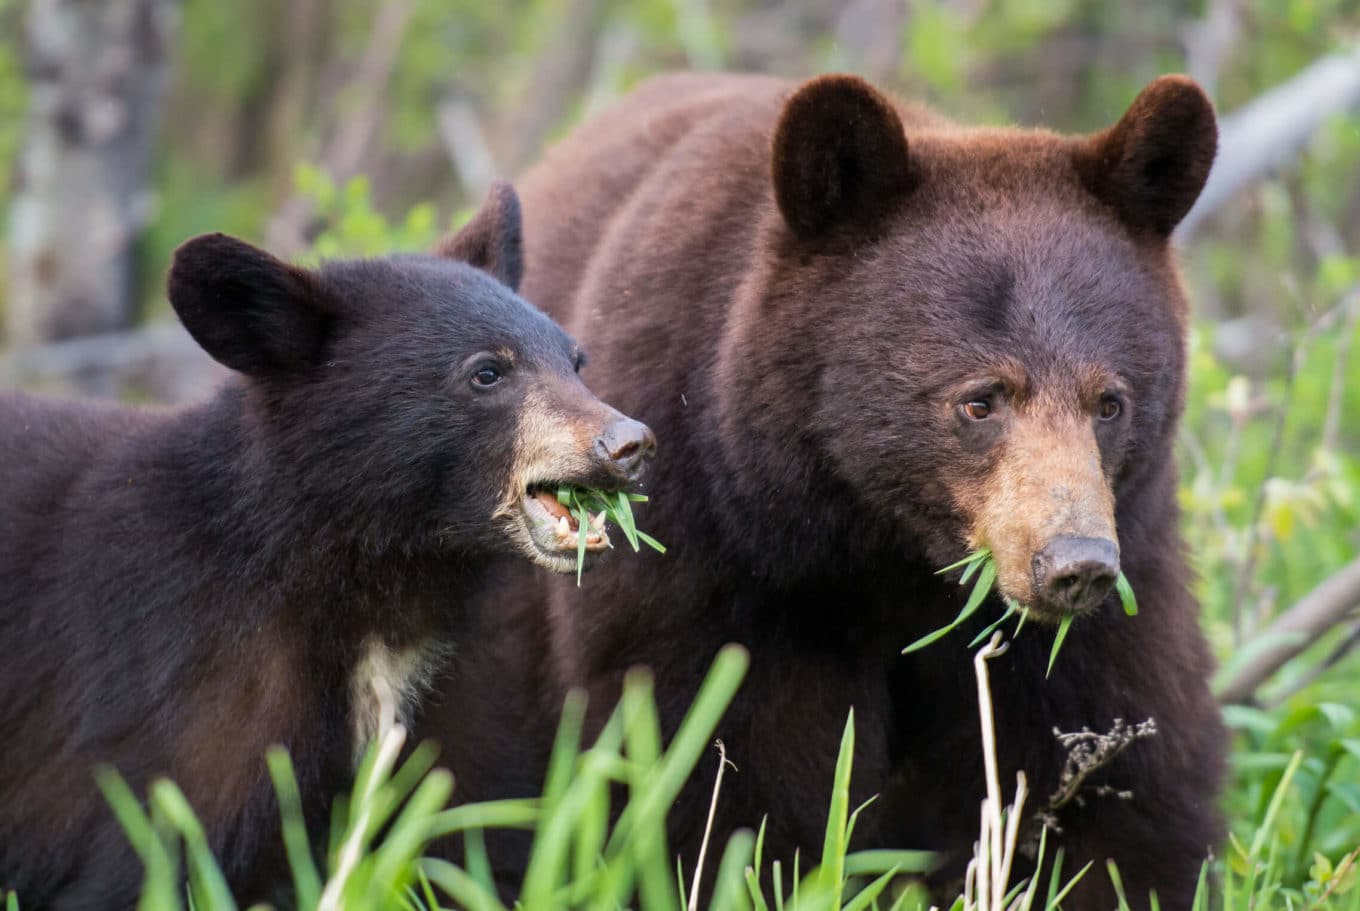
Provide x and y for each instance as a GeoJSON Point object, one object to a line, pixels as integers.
{"type": "Point", "coordinates": [563, 527]}
{"type": "Point", "coordinates": [597, 523]}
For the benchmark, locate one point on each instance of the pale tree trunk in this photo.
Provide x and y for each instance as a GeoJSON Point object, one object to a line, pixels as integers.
{"type": "Point", "coordinates": [96, 70]}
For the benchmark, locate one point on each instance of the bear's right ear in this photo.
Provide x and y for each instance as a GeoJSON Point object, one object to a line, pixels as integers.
{"type": "Point", "coordinates": [839, 155]}
{"type": "Point", "coordinates": [493, 240]}
{"type": "Point", "coordinates": [251, 311]}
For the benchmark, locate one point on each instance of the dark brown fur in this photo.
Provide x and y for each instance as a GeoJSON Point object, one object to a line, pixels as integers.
{"type": "Point", "coordinates": [798, 290]}
{"type": "Point", "coordinates": [179, 589]}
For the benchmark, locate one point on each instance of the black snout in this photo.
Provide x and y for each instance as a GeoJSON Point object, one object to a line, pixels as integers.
{"type": "Point", "coordinates": [624, 446]}
{"type": "Point", "coordinates": [1075, 574]}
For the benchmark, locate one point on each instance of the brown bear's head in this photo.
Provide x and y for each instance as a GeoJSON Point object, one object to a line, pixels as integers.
{"type": "Point", "coordinates": [994, 319]}
{"type": "Point", "coordinates": [410, 402]}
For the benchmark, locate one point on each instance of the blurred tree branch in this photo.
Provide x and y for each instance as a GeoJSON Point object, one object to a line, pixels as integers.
{"type": "Point", "coordinates": [161, 359]}
{"type": "Point", "coordinates": [1270, 131]}
{"type": "Point", "coordinates": [1322, 609]}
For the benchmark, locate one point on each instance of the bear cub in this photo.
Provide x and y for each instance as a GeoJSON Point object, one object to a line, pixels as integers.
{"type": "Point", "coordinates": [283, 563]}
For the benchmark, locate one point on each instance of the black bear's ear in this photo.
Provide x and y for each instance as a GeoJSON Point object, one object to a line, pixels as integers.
{"type": "Point", "coordinates": [250, 311]}
{"type": "Point", "coordinates": [1151, 166]}
{"type": "Point", "coordinates": [493, 240]}
{"type": "Point", "coordinates": [839, 155]}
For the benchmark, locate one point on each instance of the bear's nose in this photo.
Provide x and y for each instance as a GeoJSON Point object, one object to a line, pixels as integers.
{"type": "Point", "coordinates": [624, 446]}
{"type": "Point", "coordinates": [1075, 574]}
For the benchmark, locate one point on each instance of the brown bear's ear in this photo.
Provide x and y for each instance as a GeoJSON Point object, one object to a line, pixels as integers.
{"type": "Point", "coordinates": [1151, 166]}
{"type": "Point", "coordinates": [492, 241]}
{"type": "Point", "coordinates": [250, 311]}
{"type": "Point", "coordinates": [839, 155]}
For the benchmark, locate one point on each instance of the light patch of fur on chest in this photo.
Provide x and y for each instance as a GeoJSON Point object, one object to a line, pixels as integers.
{"type": "Point", "coordinates": [384, 687]}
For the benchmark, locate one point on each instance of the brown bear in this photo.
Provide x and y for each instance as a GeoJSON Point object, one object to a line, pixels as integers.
{"type": "Point", "coordinates": [284, 563]}
{"type": "Point", "coordinates": [871, 340]}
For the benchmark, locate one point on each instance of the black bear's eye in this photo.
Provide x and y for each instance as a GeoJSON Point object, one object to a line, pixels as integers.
{"type": "Point", "coordinates": [977, 409]}
{"type": "Point", "coordinates": [1110, 408]}
{"type": "Point", "coordinates": [485, 376]}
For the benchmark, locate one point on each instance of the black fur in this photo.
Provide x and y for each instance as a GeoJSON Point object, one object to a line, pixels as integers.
{"type": "Point", "coordinates": [179, 589]}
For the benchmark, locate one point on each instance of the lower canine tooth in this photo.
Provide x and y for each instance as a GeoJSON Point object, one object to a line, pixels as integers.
{"type": "Point", "coordinates": [597, 523]}
{"type": "Point", "coordinates": [563, 527]}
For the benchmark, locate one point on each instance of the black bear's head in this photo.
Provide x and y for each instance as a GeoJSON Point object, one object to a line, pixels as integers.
{"type": "Point", "coordinates": [990, 326]}
{"type": "Point", "coordinates": [411, 402]}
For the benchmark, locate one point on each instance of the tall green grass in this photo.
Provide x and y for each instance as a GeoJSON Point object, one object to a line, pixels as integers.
{"type": "Point", "coordinates": [584, 856]}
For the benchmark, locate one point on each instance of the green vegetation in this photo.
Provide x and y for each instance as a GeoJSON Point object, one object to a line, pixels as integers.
{"type": "Point", "coordinates": [986, 579]}
{"type": "Point", "coordinates": [616, 506]}
{"type": "Point", "coordinates": [376, 853]}
{"type": "Point", "coordinates": [1270, 445]}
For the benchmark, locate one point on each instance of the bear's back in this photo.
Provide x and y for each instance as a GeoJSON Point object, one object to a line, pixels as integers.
{"type": "Point", "coordinates": [572, 195]}
{"type": "Point", "coordinates": [47, 446]}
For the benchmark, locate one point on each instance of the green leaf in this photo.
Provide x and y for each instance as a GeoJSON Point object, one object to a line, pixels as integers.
{"type": "Point", "coordinates": [306, 878]}
{"type": "Point", "coordinates": [976, 556]}
{"type": "Point", "coordinates": [1126, 598]}
{"type": "Point", "coordinates": [583, 524]}
{"type": "Point", "coordinates": [624, 516]}
{"type": "Point", "coordinates": [651, 542]}
{"type": "Point", "coordinates": [1063, 626]}
{"type": "Point", "coordinates": [834, 843]}
{"type": "Point", "coordinates": [990, 627]}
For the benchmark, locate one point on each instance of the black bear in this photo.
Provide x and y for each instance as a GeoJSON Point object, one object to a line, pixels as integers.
{"type": "Point", "coordinates": [284, 563]}
{"type": "Point", "coordinates": [871, 340]}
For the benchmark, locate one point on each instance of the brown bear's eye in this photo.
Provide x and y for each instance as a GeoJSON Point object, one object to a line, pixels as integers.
{"type": "Point", "coordinates": [486, 376]}
{"type": "Point", "coordinates": [978, 409]}
{"type": "Point", "coordinates": [1110, 408]}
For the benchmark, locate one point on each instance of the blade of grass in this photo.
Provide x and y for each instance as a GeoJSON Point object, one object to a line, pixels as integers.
{"type": "Point", "coordinates": [987, 631]}
{"type": "Point", "coordinates": [976, 556]}
{"type": "Point", "coordinates": [869, 863]}
{"type": "Point", "coordinates": [297, 846]}
{"type": "Point", "coordinates": [623, 515]}
{"type": "Point", "coordinates": [1276, 801]}
{"type": "Point", "coordinates": [205, 876]}
{"type": "Point", "coordinates": [651, 542]}
{"type": "Point", "coordinates": [869, 894]}
{"type": "Point", "coordinates": [511, 813]}
{"type": "Point", "coordinates": [458, 885]}
{"type": "Point", "coordinates": [980, 590]}
{"type": "Point", "coordinates": [758, 902]}
{"type": "Point", "coordinates": [727, 888]}
{"type": "Point", "coordinates": [409, 832]}
{"type": "Point", "coordinates": [583, 526]}
{"type": "Point", "coordinates": [1063, 626]}
{"type": "Point", "coordinates": [1118, 884]}
{"type": "Point", "coordinates": [1126, 598]}
{"type": "Point", "coordinates": [1056, 900]}
{"type": "Point", "coordinates": [833, 845]}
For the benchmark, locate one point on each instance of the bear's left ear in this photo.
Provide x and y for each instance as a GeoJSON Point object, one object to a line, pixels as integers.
{"type": "Point", "coordinates": [839, 155]}
{"type": "Point", "coordinates": [493, 240]}
{"type": "Point", "coordinates": [1151, 166]}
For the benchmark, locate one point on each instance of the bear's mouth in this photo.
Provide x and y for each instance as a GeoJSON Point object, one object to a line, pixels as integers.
{"type": "Point", "coordinates": [555, 532]}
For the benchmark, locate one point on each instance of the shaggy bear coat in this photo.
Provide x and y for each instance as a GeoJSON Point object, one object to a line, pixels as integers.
{"type": "Point", "coordinates": [871, 340]}
{"type": "Point", "coordinates": [285, 563]}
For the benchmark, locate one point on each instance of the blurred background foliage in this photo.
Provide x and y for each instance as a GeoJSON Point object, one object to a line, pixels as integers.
{"type": "Point", "coordinates": [329, 127]}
